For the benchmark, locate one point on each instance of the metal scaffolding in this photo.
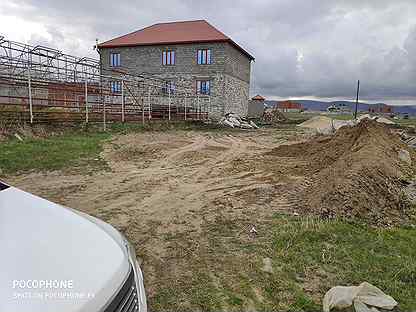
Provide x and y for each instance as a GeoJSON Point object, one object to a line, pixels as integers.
{"type": "Point", "coordinates": [41, 84]}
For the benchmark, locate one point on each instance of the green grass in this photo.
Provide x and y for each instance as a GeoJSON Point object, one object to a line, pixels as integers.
{"type": "Point", "coordinates": [74, 147]}
{"type": "Point", "coordinates": [406, 122]}
{"type": "Point", "coordinates": [339, 253]}
{"type": "Point", "coordinates": [309, 256]}
{"type": "Point", "coordinates": [52, 153]}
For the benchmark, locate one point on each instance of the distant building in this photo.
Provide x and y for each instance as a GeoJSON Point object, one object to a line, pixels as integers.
{"type": "Point", "coordinates": [289, 106]}
{"type": "Point", "coordinates": [256, 106]}
{"type": "Point", "coordinates": [380, 109]}
{"type": "Point", "coordinates": [193, 54]}
{"type": "Point", "coordinates": [339, 108]}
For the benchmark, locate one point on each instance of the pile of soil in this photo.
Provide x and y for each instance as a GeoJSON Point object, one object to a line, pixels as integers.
{"type": "Point", "coordinates": [356, 173]}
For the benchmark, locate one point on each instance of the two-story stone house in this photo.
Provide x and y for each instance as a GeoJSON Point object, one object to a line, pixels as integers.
{"type": "Point", "coordinates": [193, 54]}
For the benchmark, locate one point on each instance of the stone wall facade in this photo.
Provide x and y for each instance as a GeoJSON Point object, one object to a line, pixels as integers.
{"type": "Point", "coordinates": [228, 73]}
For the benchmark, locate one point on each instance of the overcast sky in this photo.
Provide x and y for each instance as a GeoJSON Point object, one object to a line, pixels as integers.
{"type": "Point", "coordinates": [303, 48]}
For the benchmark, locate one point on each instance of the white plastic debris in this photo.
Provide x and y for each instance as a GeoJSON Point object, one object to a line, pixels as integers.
{"type": "Point", "coordinates": [234, 121]}
{"type": "Point", "coordinates": [253, 230]}
{"type": "Point", "coordinates": [364, 298]}
{"type": "Point", "coordinates": [405, 156]}
{"type": "Point", "coordinates": [253, 125]}
{"type": "Point", "coordinates": [267, 265]}
{"type": "Point", "coordinates": [18, 137]}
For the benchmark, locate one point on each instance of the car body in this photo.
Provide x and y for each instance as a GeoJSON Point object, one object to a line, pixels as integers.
{"type": "Point", "coordinates": [57, 259]}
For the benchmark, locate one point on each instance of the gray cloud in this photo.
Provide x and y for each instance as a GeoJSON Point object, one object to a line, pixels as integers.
{"type": "Point", "coordinates": [303, 48]}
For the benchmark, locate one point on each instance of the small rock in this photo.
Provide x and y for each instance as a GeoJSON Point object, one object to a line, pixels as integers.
{"type": "Point", "coordinates": [267, 265]}
{"type": "Point", "coordinates": [405, 156]}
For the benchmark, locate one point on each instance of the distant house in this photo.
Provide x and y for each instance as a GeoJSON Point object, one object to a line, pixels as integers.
{"type": "Point", "coordinates": [191, 54]}
{"type": "Point", "coordinates": [256, 106]}
{"type": "Point", "coordinates": [289, 106]}
{"type": "Point", "coordinates": [380, 109]}
{"type": "Point", "coordinates": [339, 108]}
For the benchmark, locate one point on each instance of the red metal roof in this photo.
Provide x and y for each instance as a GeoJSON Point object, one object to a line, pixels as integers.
{"type": "Point", "coordinates": [258, 97]}
{"type": "Point", "coordinates": [173, 33]}
{"type": "Point", "coordinates": [289, 105]}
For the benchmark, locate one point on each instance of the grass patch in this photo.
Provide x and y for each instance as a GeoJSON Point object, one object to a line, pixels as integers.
{"type": "Point", "coordinates": [320, 254]}
{"type": "Point", "coordinates": [410, 122]}
{"type": "Point", "coordinates": [49, 148]}
{"type": "Point", "coordinates": [309, 256]}
{"type": "Point", "coordinates": [71, 149]}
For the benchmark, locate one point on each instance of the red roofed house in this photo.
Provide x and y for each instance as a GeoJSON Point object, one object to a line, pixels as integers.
{"type": "Point", "coordinates": [380, 109]}
{"type": "Point", "coordinates": [256, 106]}
{"type": "Point", "coordinates": [193, 54]}
{"type": "Point", "coordinates": [289, 106]}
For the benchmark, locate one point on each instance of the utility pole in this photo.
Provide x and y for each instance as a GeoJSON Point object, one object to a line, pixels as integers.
{"type": "Point", "coordinates": [356, 100]}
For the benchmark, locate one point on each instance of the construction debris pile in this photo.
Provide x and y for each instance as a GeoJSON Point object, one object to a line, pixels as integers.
{"type": "Point", "coordinates": [379, 119]}
{"type": "Point", "coordinates": [359, 172]}
{"type": "Point", "coordinates": [273, 116]}
{"type": "Point", "coordinates": [408, 139]}
{"type": "Point", "coordinates": [235, 121]}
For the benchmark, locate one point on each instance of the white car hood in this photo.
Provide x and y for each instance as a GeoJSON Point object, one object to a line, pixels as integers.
{"type": "Point", "coordinates": [42, 241]}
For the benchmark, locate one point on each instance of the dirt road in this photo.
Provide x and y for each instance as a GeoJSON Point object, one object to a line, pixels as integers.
{"type": "Point", "coordinates": [168, 191]}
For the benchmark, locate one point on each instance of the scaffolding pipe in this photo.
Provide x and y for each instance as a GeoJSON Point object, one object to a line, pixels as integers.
{"type": "Point", "coordinates": [62, 77]}
{"type": "Point", "coordinates": [185, 104]}
{"type": "Point", "coordinates": [209, 106]}
{"type": "Point", "coordinates": [197, 108]}
{"type": "Point", "coordinates": [30, 95]}
{"type": "Point", "coordinates": [148, 102]}
{"type": "Point", "coordinates": [86, 101]}
{"type": "Point", "coordinates": [138, 86]}
{"type": "Point", "coordinates": [122, 100]}
{"type": "Point", "coordinates": [103, 102]}
{"type": "Point", "coordinates": [169, 101]}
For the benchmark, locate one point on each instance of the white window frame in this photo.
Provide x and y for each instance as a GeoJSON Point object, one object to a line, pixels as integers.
{"type": "Point", "coordinates": [169, 85]}
{"type": "Point", "coordinates": [115, 86]}
{"type": "Point", "coordinates": [204, 57]}
{"type": "Point", "coordinates": [115, 59]}
{"type": "Point", "coordinates": [168, 57]}
{"type": "Point", "coordinates": [203, 86]}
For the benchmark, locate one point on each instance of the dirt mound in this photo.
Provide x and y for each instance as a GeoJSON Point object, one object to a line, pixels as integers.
{"type": "Point", "coordinates": [355, 173]}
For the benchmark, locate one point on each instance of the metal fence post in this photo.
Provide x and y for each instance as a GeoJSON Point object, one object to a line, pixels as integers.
{"type": "Point", "coordinates": [138, 86]}
{"type": "Point", "coordinates": [197, 108]}
{"type": "Point", "coordinates": [103, 103]}
{"type": "Point", "coordinates": [30, 95]}
{"type": "Point", "coordinates": [86, 101]}
{"type": "Point", "coordinates": [122, 100]}
{"type": "Point", "coordinates": [148, 102]}
{"type": "Point", "coordinates": [169, 100]}
{"type": "Point", "coordinates": [209, 105]}
{"type": "Point", "coordinates": [185, 105]}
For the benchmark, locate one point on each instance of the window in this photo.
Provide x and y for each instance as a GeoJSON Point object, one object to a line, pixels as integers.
{"type": "Point", "coordinates": [115, 86]}
{"type": "Point", "coordinates": [168, 57]}
{"type": "Point", "coordinates": [203, 87]}
{"type": "Point", "coordinates": [169, 87]}
{"type": "Point", "coordinates": [115, 60]}
{"type": "Point", "coordinates": [204, 57]}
